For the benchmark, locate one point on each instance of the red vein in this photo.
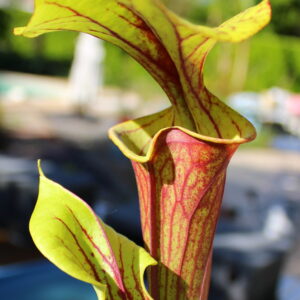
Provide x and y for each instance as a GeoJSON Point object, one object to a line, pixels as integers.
{"type": "Point", "coordinates": [158, 64]}
{"type": "Point", "coordinates": [190, 36]}
{"type": "Point", "coordinates": [196, 48]}
{"type": "Point", "coordinates": [136, 280]}
{"type": "Point", "coordinates": [92, 266]}
{"type": "Point", "coordinates": [113, 265]}
{"type": "Point", "coordinates": [154, 231]}
{"type": "Point", "coordinates": [72, 253]}
{"type": "Point", "coordinates": [90, 238]}
{"type": "Point", "coordinates": [213, 204]}
{"type": "Point", "coordinates": [184, 71]}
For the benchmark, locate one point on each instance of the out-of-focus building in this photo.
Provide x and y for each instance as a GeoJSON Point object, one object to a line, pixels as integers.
{"type": "Point", "coordinates": [26, 5]}
{"type": "Point", "coordinates": [85, 77]}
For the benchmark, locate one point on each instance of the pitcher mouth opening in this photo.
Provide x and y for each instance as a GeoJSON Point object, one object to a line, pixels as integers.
{"type": "Point", "coordinates": [137, 138]}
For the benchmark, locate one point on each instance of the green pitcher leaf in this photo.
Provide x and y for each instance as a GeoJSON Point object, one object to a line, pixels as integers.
{"type": "Point", "coordinates": [70, 235]}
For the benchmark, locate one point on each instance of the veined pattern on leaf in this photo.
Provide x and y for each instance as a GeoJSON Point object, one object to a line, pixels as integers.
{"type": "Point", "coordinates": [180, 192]}
{"type": "Point", "coordinates": [170, 48]}
{"type": "Point", "coordinates": [69, 234]}
{"type": "Point", "coordinates": [179, 155]}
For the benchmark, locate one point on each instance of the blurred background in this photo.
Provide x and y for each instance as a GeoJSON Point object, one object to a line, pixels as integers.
{"type": "Point", "coordinates": [59, 94]}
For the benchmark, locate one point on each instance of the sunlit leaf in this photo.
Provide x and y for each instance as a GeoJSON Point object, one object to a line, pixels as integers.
{"type": "Point", "coordinates": [179, 155]}
{"type": "Point", "coordinates": [69, 234]}
{"type": "Point", "coordinates": [180, 192]}
{"type": "Point", "coordinates": [170, 48]}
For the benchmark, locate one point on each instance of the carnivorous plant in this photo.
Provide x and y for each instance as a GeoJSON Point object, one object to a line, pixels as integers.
{"type": "Point", "coordinates": [179, 155]}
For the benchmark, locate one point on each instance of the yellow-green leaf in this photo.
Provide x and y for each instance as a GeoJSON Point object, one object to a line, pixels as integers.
{"type": "Point", "coordinates": [117, 22]}
{"type": "Point", "coordinates": [188, 45]}
{"type": "Point", "coordinates": [170, 48]}
{"type": "Point", "coordinates": [70, 235]}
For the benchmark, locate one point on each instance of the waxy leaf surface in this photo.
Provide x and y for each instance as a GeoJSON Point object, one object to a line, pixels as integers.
{"type": "Point", "coordinates": [180, 192]}
{"type": "Point", "coordinates": [69, 234]}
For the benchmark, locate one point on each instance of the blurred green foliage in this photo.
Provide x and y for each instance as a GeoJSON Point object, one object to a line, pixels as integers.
{"type": "Point", "coordinates": [123, 71]}
{"type": "Point", "coordinates": [268, 59]}
{"type": "Point", "coordinates": [264, 61]}
{"type": "Point", "coordinates": [49, 54]}
{"type": "Point", "coordinates": [286, 17]}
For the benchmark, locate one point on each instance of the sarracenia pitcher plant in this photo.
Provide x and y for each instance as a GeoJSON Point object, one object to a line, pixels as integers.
{"type": "Point", "coordinates": [179, 155]}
